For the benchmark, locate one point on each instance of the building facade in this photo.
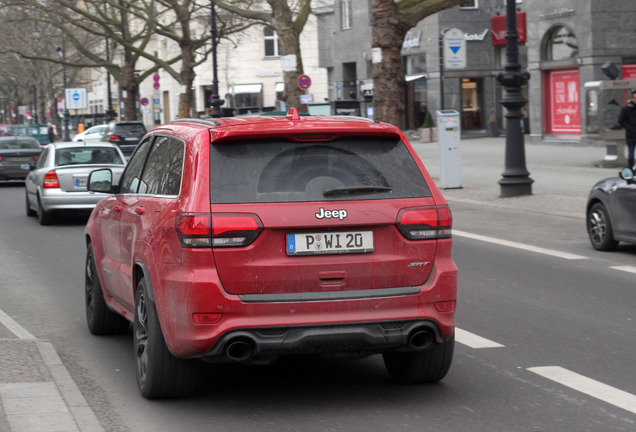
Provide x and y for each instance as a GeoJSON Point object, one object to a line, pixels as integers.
{"type": "Point", "coordinates": [564, 44]}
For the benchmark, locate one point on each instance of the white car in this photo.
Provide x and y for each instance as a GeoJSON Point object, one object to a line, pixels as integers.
{"type": "Point", "coordinates": [92, 134]}
{"type": "Point", "coordinates": [58, 182]}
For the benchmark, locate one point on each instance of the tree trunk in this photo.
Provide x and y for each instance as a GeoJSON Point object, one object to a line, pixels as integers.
{"type": "Point", "coordinates": [186, 79]}
{"type": "Point", "coordinates": [388, 75]}
{"type": "Point", "coordinates": [290, 45]}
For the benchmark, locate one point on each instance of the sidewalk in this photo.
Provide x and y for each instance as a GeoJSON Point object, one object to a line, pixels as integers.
{"type": "Point", "coordinates": [36, 391]}
{"type": "Point", "coordinates": [563, 175]}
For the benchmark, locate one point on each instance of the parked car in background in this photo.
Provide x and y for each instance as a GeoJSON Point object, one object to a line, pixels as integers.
{"type": "Point", "coordinates": [58, 182]}
{"type": "Point", "coordinates": [18, 154]}
{"type": "Point", "coordinates": [611, 211]}
{"type": "Point", "coordinates": [245, 239]}
{"type": "Point", "coordinates": [125, 134]}
{"type": "Point", "coordinates": [92, 134]}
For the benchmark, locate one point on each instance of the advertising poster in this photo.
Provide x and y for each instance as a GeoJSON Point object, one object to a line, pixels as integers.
{"type": "Point", "coordinates": [565, 106]}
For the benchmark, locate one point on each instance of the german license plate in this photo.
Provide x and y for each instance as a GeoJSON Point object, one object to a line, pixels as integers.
{"type": "Point", "coordinates": [25, 166]}
{"type": "Point", "coordinates": [80, 182]}
{"type": "Point", "coordinates": [340, 242]}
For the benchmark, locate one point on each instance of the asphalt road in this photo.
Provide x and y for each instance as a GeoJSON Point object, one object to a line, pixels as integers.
{"type": "Point", "coordinates": [545, 340]}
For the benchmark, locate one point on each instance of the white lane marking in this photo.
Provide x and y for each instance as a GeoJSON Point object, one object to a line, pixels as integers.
{"type": "Point", "coordinates": [474, 341]}
{"type": "Point", "coordinates": [14, 327]}
{"type": "Point", "coordinates": [522, 246]}
{"type": "Point", "coordinates": [611, 395]}
{"type": "Point", "coordinates": [629, 269]}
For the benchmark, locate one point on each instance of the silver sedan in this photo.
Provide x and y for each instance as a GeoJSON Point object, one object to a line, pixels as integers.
{"type": "Point", "coordinates": [58, 182]}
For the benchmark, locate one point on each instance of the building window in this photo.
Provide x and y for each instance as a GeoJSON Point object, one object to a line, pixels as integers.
{"type": "Point", "coordinates": [562, 44]}
{"type": "Point", "coordinates": [272, 45]}
{"type": "Point", "coordinates": [472, 114]}
{"type": "Point", "coordinates": [470, 5]}
{"type": "Point", "coordinates": [345, 8]}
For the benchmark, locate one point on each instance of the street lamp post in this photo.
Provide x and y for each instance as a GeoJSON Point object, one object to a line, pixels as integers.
{"type": "Point", "coordinates": [65, 136]}
{"type": "Point", "coordinates": [515, 178]}
{"type": "Point", "coordinates": [215, 101]}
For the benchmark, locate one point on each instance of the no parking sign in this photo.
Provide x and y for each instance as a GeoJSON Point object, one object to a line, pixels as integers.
{"type": "Point", "coordinates": [304, 82]}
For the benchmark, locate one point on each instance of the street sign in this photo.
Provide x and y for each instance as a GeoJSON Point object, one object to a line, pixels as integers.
{"type": "Point", "coordinates": [76, 98]}
{"type": "Point", "coordinates": [144, 101]}
{"type": "Point", "coordinates": [155, 77]}
{"type": "Point", "coordinates": [155, 85]}
{"type": "Point", "coordinates": [304, 82]}
{"type": "Point", "coordinates": [454, 49]}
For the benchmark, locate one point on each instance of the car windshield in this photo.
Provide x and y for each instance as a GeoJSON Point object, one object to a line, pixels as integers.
{"type": "Point", "coordinates": [87, 156]}
{"type": "Point", "coordinates": [18, 144]}
{"type": "Point", "coordinates": [344, 169]}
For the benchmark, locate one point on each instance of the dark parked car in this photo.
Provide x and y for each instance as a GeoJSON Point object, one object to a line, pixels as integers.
{"type": "Point", "coordinates": [125, 134]}
{"type": "Point", "coordinates": [18, 154]}
{"type": "Point", "coordinates": [611, 211]}
{"type": "Point", "coordinates": [245, 239]}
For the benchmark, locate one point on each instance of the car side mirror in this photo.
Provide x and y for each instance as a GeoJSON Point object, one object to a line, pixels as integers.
{"type": "Point", "coordinates": [627, 174]}
{"type": "Point", "coordinates": [101, 180]}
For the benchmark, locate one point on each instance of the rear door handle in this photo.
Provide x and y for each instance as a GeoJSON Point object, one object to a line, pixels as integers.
{"type": "Point", "coordinates": [140, 211]}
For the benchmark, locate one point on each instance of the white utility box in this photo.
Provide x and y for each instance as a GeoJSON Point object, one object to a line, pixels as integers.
{"type": "Point", "coordinates": [449, 140]}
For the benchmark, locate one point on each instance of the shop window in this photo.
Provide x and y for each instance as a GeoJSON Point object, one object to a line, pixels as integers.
{"type": "Point", "coordinates": [472, 111]}
{"type": "Point", "coordinates": [562, 44]}
{"type": "Point", "coordinates": [474, 4]}
{"type": "Point", "coordinates": [272, 45]}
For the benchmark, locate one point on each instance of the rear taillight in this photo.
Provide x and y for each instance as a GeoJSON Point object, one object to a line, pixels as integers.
{"type": "Point", "coordinates": [50, 180]}
{"type": "Point", "coordinates": [425, 223]}
{"type": "Point", "coordinates": [235, 229]}
{"type": "Point", "coordinates": [202, 230]}
{"type": "Point", "coordinates": [114, 138]}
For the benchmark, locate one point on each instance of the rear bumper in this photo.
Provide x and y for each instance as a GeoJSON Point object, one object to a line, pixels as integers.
{"type": "Point", "coordinates": [321, 324]}
{"type": "Point", "coordinates": [354, 339]}
{"type": "Point", "coordinates": [56, 200]}
{"type": "Point", "coordinates": [13, 172]}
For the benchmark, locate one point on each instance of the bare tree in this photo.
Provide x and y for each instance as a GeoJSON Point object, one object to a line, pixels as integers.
{"type": "Point", "coordinates": [287, 18]}
{"type": "Point", "coordinates": [392, 19]}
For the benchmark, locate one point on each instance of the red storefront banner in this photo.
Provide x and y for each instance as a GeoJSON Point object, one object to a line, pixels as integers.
{"type": "Point", "coordinates": [498, 29]}
{"type": "Point", "coordinates": [629, 71]}
{"type": "Point", "coordinates": [565, 107]}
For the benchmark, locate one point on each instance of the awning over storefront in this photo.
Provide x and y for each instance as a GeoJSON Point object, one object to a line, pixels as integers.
{"type": "Point", "coordinates": [246, 88]}
{"type": "Point", "coordinates": [498, 29]}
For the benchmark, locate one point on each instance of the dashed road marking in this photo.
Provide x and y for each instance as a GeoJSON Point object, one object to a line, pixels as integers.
{"type": "Point", "coordinates": [521, 246]}
{"type": "Point", "coordinates": [629, 269]}
{"type": "Point", "coordinates": [474, 341]}
{"type": "Point", "coordinates": [598, 390]}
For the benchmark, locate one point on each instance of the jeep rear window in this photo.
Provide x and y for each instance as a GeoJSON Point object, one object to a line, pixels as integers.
{"type": "Point", "coordinates": [350, 168]}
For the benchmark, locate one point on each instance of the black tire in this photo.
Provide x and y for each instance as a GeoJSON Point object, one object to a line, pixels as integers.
{"type": "Point", "coordinates": [44, 217]}
{"type": "Point", "coordinates": [100, 319]}
{"type": "Point", "coordinates": [421, 366]}
{"type": "Point", "coordinates": [159, 373]}
{"type": "Point", "coordinates": [29, 211]}
{"type": "Point", "coordinates": [599, 228]}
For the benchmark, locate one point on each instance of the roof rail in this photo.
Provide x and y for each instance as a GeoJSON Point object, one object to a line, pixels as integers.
{"type": "Point", "coordinates": [205, 122]}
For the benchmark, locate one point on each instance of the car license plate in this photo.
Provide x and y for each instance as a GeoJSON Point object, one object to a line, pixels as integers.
{"type": "Point", "coordinates": [25, 166]}
{"type": "Point", "coordinates": [80, 182]}
{"type": "Point", "coordinates": [130, 139]}
{"type": "Point", "coordinates": [338, 242]}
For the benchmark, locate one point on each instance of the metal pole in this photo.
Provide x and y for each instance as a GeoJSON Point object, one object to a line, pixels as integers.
{"type": "Point", "coordinates": [110, 113]}
{"type": "Point", "coordinates": [215, 100]}
{"type": "Point", "coordinates": [66, 136]}
{"type": "Point", "coordinates": [35, 104]}
{"type": "Point", "coordinates": [515, 178]}
{"type": "Point", "coordinates": [441, 70]}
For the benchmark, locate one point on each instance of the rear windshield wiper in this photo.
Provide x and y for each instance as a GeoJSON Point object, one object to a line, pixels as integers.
{"type": "Point", "coordinates": [355, 189]}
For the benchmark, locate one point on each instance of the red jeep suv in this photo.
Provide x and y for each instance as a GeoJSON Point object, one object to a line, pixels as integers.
{"type": "Point", "coordinates": [246, 239]}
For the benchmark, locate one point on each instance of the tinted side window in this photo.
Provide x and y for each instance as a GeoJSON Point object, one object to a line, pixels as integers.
{"type": "Point", "coordinates": [152, 172]}
{"type": "Point", "coordinates": [171, 180]}
{"type": "Point", "coordinates": [130, 178]}
{"type": "Point", "coordinates": [349, 168]}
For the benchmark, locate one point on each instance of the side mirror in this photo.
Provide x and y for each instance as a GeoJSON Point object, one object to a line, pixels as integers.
{"type": "Point", "coordinates": [627, 174]}
{"type": "Point", "coordinates": [100, 180]}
